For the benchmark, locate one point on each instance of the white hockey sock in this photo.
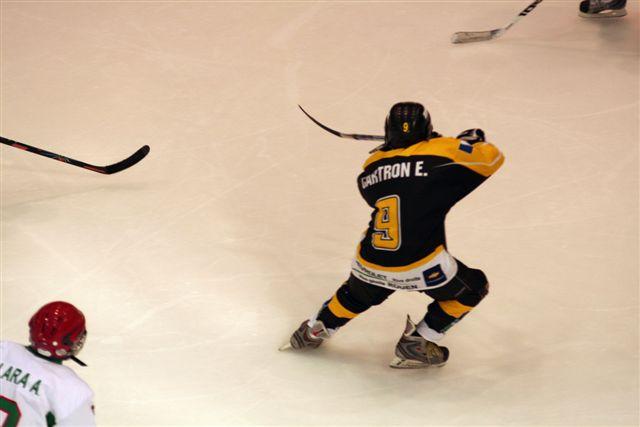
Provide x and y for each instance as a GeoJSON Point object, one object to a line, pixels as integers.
{"type": "Point", "coordinates": [427, 333]}
{"type": "Point", "coordinates": [314, 319]}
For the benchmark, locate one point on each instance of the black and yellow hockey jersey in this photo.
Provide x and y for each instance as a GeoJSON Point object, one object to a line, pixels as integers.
{"type": "Point", "coordinates": [412, 190]}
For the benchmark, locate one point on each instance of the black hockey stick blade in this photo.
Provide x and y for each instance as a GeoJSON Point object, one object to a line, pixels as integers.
{"type": "Point", "coordinates": [341, 134]}
{"type": "Point", "coordinates": [128, 162]}
{"type": "Point", "coordinates": [107, 170]}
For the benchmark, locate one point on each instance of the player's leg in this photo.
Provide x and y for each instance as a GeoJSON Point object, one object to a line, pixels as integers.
{"type": "Point", "coordinates": [351, 299]}
{"type": "Point", "coordinates": [453, 301]}
{"type": "Point", "coordinates": [418, 346]}
{"type": "Point", "coordinates": [603, 8]}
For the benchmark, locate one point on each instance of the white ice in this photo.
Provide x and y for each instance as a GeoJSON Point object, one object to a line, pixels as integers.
{"type": "Point", "coordinates": [195, 265]}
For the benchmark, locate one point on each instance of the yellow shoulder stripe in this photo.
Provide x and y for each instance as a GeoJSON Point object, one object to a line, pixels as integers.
{"type": "Point", "coordinates": [484, 159]}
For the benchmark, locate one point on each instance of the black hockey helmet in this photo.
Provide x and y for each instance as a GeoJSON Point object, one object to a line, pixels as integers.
{"type": "Point", "coordinates": [406, 124]}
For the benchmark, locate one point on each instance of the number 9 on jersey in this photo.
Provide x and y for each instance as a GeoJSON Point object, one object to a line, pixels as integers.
{"type": "Point", "coordinates": [386, 235]}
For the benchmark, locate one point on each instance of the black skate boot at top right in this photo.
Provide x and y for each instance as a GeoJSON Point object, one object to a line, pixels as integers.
{"type": "Point", "coordinates": [416, 352]}
{"type": "Point", "coordinates": [603, 8]}
{"type": "Point", "coordinates": [307, 337]}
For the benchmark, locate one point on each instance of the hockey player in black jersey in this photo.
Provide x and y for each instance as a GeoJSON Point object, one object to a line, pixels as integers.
{"type": "Point", "coordinates": [411, 183]}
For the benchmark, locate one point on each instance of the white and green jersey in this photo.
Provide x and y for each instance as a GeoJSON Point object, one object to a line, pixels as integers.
{"type": "Point", "coordinates": [37, 392]}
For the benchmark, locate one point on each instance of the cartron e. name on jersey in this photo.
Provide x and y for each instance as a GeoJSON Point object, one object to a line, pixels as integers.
{"type": "Point", "coordinates": [398, 170]}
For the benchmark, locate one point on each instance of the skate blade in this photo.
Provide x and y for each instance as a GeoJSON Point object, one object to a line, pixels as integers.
{"type": "Point", "coordinates": [285, 346]}
{"type": "Point", "coordinates": [398, 363]}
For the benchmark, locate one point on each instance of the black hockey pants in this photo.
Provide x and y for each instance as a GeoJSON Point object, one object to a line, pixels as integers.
{"type": "Point", "coordinates": [451, 302]}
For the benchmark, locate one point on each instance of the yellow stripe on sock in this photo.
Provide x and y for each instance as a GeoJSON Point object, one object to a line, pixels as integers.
{"type": "Point", "coordinates": [339, 310]}
{"type": "Point", "coordinates": [454, 309]}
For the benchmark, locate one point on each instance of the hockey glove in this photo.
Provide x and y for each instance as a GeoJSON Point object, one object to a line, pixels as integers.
{"type": "Point", "coordinates": [472, 136]}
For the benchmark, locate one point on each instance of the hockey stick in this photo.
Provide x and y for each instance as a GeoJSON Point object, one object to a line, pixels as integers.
{"type": "Point", "coordinates": [107, 170]}
{"type": "Point", "coordinates": [344, 135]}
{"type": "Point", "coordinates": [480, 36]}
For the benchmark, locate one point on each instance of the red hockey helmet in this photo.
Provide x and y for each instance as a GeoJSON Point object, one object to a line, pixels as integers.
{"type": "Point", "coordinates": [57, 330]}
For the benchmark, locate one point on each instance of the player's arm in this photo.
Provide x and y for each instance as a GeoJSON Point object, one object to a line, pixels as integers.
{"type": "Point", "coordinates": [473, 160]}
{"type": "Point", "coordinates": [477, 154]}
{"type": "Point", "coordinates": [82, 416]}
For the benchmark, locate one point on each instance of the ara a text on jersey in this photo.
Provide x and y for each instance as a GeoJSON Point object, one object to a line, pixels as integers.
{"type": "Point", "coordinates": [19, 377]}
{"type": "Point", "coordinates": [397, 170]}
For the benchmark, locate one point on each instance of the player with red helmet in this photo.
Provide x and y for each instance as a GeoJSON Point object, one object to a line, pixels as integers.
{"type": "Point", "coordinates": [35, 388]}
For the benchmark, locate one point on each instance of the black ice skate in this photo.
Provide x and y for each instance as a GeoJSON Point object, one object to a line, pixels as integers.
{"type": "Point", "coordinates": [307, 337]}
{"type": "Point", "coordinates": [416, 352]}
{"type": "Point", "coordinates": [603, 8]}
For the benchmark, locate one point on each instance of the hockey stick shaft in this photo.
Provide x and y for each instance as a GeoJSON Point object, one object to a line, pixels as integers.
{"type": "Point", "coordinates": [107, 170]}
{"type": "Point", "coordinates": [477, 36]}
{"type": "Point", "coordinates": [524, 13]}
{"type": "Point", "coordinates": [342, 134]}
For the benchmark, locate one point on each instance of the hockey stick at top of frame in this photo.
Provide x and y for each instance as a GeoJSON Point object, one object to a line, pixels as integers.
{"type": "Point", "coordinates": [479, 36]}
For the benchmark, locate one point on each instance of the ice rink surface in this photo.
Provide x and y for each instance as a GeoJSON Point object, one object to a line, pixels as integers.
{"type": "Point", "coordinates": [195, 265]}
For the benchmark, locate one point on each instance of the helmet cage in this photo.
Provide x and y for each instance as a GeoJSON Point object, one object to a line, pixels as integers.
{"type": "Point", "coordinates": [74, 347]}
